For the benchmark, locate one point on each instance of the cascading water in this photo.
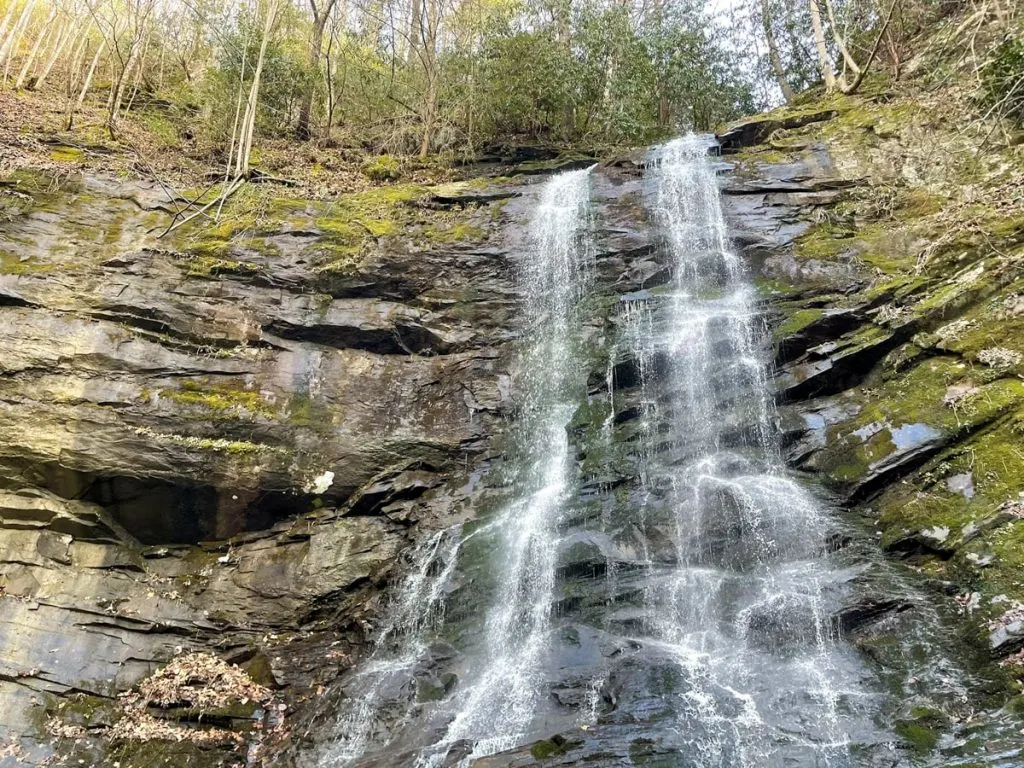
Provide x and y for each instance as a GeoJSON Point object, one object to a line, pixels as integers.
{"type": "Point", "coordinates": [660, 589]}
{"type": "Point", "coordinates": [502, 679]}
{"type": "Point", "coordinates": [736, 598]}
{"type": "Point", "coordinates": [498, 704]}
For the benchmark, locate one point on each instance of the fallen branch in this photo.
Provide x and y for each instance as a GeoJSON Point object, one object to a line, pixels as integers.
{"type": "Point", "coordinates": [863, 71]}
{"type": "Point", "coordinates": [235, 185]}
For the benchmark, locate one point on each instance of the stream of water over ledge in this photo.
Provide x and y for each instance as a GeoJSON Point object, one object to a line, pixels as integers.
{"type": "Point", "coordinates": [684, 618]}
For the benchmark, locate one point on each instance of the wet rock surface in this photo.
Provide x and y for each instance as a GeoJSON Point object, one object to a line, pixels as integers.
{"type": "Point", "coordinates": [226, 445]}
{"type": "Point", "coordinates": [897, 371]}
{"type": "Point", "coordinates": [863, 407]}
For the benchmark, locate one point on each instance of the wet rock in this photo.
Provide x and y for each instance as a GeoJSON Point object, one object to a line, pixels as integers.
{"type": "Point", "coordinates": [748, 132]}
{"type": "Point", "coordinates": [868, 610]}
{"type": "Point", "coordinates": [1007, 638]}
{"type": "Point", "coordinates": [783, 624]}
{"type": "Point", "coordinates": [223, 446]}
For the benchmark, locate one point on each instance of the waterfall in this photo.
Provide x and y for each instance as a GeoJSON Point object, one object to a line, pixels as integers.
{"type": "Point", "coordinates": [496, 699]}
{"type": "Point", "coordinates": [499, 703]}
{"type": "Point", "coordinates": [685, 604]}
{"type": "Point", "coordinates": [738, 598]}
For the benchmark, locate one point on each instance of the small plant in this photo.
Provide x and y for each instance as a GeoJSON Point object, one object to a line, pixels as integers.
{"type": "Point", "coordinates": [382, 168]}
{"type": "Point", "coordinates": [1002, 80]}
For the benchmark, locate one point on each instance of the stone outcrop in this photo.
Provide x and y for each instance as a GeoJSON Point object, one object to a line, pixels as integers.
{"type": "Point", "coordinates": [225, 438]}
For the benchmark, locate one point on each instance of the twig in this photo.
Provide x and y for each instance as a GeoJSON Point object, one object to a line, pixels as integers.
{"type": "Point", "coordinates": [235, 186]}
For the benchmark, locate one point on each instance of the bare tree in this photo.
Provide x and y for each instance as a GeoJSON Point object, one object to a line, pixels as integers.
{"type": "Point", "coordinates": [859, 71]}
{"type": "Point", "coordinates": [77, 104]}
{"type": "Point", "coordinates": [6, 22]}
{"type": "Point", "coordinates": [248, 124]}
{"type": "Point", "coordinates": [428, 58]}
{"type": "Point", "coordinates": [821, 46]}
{"type": "Point", "coordinates": [64, 34]}
{"type": "Point", "coordinates": [415, 30]}
{"type": "Point", "coordinates": [9, 48]}
{"type": "Point", "coordinates": [133, 26]}
{"type": "Point", "coordinates": [44, 33]}
{"type": "Point", "coordinates": [773, 53]}
{"type": "Point", "coordinates": [321, 13]}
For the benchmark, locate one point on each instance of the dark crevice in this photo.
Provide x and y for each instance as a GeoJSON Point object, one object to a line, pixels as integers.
{"type": "Point", "coordinates": [159, 511]}
{"type": "Point", "coordinates": [404, 339]}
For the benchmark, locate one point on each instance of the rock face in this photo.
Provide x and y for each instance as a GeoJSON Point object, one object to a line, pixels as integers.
{"type": "Point", "coordinates": [225, 440]}
{"type": "Point", "coordinates": [229, 440]}
{"type": "Point", "coordinates": [898, 360]}
{"type": "Point", "coordinates": [836, 353]}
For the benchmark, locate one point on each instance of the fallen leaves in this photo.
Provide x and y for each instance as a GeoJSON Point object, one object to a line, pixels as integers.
{"type": "Point", "coordinates": [197, 682]}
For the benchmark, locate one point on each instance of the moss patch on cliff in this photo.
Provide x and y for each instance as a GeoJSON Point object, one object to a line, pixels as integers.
{"type": "Point", "coordinates": [221, 401]}
{"type": "Point", "coordinates": [929, 221]}
{"type": "Point", "coordinates": [341, 234]}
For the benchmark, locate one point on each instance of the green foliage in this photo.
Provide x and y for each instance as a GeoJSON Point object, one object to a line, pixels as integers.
{"type": "Point", "coordinates": [285, 77]}
{"type": "Point", "coordinates": [504, 70]}
{"type": "Point", "coordinates": [1002, 80]}
{"type": "Point", "coordinates": [598, 77]}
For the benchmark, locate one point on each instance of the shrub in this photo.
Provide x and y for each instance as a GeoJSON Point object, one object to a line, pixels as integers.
{"type": "Point", "coordinates": [1002, 80]}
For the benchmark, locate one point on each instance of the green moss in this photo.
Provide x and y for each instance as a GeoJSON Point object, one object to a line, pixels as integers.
{"type": "Point", "coordinates": [12, 264]}
{"type": "Point", "coordinates": [382, 168]}
{"type": "Point", "coordinates": [305, 411]}
{"type": "Point", "coordinates": [797, 321]}
{"type": "Point", "coordinates": [349, 226]}
{"type": "Point", "coordinates": [458, 232]}
{"type": "Point", "coordinates": [915, 397]}
{"type": "Point", "coordinates": [219, 400]}
{"type": "Point", "coordinates": [210, 266]}
{"type": "Point", "coordinates": [884, 248]}
{"type": "Point", "coordinates": [216, 444]}
{"type": "Point", "coordinates": [921, 738]}
{"type": "Point", "coordinates": [67, 155]}
{"type": "Point", "coordinates": [545, 749]}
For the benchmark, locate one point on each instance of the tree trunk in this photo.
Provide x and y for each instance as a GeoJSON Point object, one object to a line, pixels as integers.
{"type": "Point", "coordinates": [429, 58]}
{"type": "Point", "coordinates": [62, 40]}
{"type": "Point", "coordinates": [563, 31]}
{"type": "Point", "coordinates": [117, 95]}
{"type": "Point", "coordinates": [428, 118]}
{"type": "Point", "coordinates": [415, 30]}
{"type": "Point", "coordinates": [848, 60]}
{"type": "Point", "coordinates": [9, 49]}
{"type": "Point", "coordinates": [824, 60]}
{"type": "Point", "coordinates": [31, 58]}
{"type": "Point", "coordinates": [249, 120]}
{"type": "Point", "coordinates": [138, 73]}
{"type": "Point", "coordinates": [90, 73]}
{"type": "Point", "coordinates": [6, 23]}
{"type": "Point", "coordinates": [773, 54]}
{"type": "Point", "coordinates": [316, 46]}
{"type": "Point", "coordinates": [848, 88]}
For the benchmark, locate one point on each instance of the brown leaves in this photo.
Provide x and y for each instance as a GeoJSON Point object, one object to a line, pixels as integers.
{"type": "Point", "coordinates": [203, 681]}
{"type": "Point", "coordinates": [198, 682]}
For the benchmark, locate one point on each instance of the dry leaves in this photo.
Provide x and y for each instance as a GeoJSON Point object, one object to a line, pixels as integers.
{"type": "Point", "coordinates": [196, 681]}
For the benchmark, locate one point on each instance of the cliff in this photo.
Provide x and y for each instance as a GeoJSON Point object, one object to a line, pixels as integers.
{"type": "Point", "coordinates": [222, 442]}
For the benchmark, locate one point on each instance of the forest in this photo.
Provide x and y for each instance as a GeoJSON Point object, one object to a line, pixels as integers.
{"type": "Point", "coordinates": [448, 78]}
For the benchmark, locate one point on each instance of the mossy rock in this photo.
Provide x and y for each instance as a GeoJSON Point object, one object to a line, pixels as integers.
{"type": "Point", "coordinates": [556, 746]}
{"type": "Point", "coordinates": [382, 168]}
{"type": "Point", "coordinates": [65, 154]}
{"type": "Point", "coordinates": [922, 729]}
{"type": "Point", "coordinates": [220, 402]}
